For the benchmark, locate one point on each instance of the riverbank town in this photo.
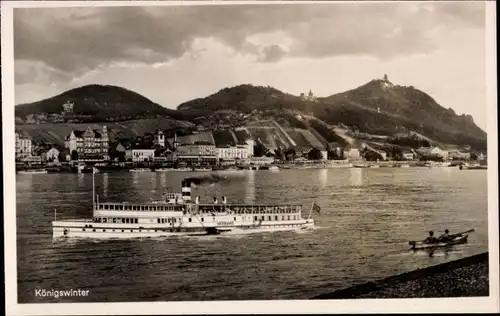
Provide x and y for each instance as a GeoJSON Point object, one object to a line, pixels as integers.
{"type": "Point", "coordinates": [218, 150]}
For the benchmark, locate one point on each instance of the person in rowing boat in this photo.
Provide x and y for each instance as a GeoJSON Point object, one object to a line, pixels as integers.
{"type": "Point", "coordinates": [431, 239]}
{"type": "Point", "coordinates": [445, 237]}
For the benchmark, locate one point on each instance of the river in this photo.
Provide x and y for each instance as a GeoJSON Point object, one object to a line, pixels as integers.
{"type": "Point", "coordinates": [367, 218]}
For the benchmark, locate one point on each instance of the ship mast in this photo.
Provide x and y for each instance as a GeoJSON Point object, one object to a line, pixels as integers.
{"type": "Point", "coordinates": [93, 189]}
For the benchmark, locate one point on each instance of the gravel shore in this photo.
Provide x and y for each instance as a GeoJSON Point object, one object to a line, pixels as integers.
{"type": "Point", "coordinates": [465, 281]}
{"type": "Point", "coordinates": [460, 278]}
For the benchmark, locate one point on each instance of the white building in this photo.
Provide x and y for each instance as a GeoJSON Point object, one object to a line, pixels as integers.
{"type": "Point", "coordinates": [68, 106]}
{"type": "Point", "coordinates": [352, 153]}
{"type": "Point", "coordinates": [195, 150]}
{"type": "Point", "coordinates": [261, 160]}
{"type": "Point", "coordinates": [232, 152]}
{"type": "Point", "coordinates": [459, 155]}
{"type": "Point", "coordinates": [89, 144]}
{"type": "Point", "coordinates": [52, 155]}
{"type": "Point", "coordinates": [23, 146]}
{"type": "Point", "coordinates": [408, 155]}
{"type": "Point", "coordinates": [250, 144]}
{"type": "Point", "coordinates": [432, 152]}
{"type": "Point", "coordinates": [140, 154]}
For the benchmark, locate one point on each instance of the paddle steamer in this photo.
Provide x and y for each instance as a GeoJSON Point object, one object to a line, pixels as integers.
{"type": "Point", "coordinates": [176, 214]}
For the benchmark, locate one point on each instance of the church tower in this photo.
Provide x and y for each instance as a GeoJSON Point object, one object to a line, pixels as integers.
{"type": "Point", "coordinates": [160, 138]}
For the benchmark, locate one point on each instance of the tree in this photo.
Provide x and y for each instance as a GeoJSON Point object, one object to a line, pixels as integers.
{"type": "Point", "coordinates": [332, 155]}
{"type": "Point", "coordinates": [74, 155]}
{"type": "Point", "coordinates": [314, 154]}
{"type": "Point", "coordinates": [372, 156]}
{"type": "Point", "coordinates": [259, 149]}
{"type": "Point", "coordinates": [290, 154]}
{"type": "Point", "coordinates": [61, 157]}
{"type": "Point", "coordinates": [278, 153]}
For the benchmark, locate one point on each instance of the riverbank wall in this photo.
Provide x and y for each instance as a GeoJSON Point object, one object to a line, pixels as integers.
{"type": "Point", "coordinates": [464, 277]}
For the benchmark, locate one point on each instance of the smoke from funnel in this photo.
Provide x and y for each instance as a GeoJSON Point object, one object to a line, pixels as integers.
{"type": "Point", "coordinates": [210, 179]}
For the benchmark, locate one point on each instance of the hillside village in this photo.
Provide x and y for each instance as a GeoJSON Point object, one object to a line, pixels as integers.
{"type": "Point", "coordinates": [228, 147]}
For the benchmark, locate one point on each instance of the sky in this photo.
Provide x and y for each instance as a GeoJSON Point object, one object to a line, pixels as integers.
{"type": "Point", "coordinates": [172, 54]}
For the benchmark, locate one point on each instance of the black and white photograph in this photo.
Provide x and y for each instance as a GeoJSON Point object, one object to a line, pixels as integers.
{"type": "Point", "coordinates": [249, 157]}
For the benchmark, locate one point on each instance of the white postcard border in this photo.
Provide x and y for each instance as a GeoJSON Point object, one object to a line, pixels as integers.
{"type": "Point", "coordinates": [456, 305]}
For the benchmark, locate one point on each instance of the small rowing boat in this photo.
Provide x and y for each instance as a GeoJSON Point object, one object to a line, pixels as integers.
{"type": "Point", "coordinates": [455, 239]}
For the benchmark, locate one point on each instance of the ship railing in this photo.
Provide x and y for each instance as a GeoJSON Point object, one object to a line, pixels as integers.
{"type": "Point", "coordinates": [250, 209]}
{"type": "Point", "coordinates": [153, 206]}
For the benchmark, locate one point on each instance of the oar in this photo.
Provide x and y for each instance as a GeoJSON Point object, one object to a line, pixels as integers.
{"type": "Point", "coordinates": [465, 232]}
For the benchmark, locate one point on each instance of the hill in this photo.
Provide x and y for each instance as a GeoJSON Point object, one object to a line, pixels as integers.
{"type": "Point", "coordinates": [95, 103]}
{"type": "Point", "coordinates": [377, 107]}
{"type": "Point", "coordinates": [244, 98]}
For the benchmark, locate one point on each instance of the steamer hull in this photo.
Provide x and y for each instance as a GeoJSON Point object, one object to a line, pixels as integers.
{"type": "Point", "coordinates": [91, 230]}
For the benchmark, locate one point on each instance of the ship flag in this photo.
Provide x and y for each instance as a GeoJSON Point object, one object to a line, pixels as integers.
{"type": "Point", "coordinates": [316, 207]}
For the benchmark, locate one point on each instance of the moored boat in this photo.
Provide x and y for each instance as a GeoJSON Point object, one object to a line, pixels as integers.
{"type": "Point", "coordinates": [274, 168]}
{"type": "Point", "coordinates": [360, 165]}
{"type": "Point", "coordinates": [33, 171]}
{"type": "Point", "coordinates": [473, 167]}
{"type": "Point", "coordinates": [182, 169]}
{"type": "Point", "coordinates": [202, 169]}
{"type": "Point", "coordinates": [140, 170]}
{"type": "Point", "coordinates": [164, 169]}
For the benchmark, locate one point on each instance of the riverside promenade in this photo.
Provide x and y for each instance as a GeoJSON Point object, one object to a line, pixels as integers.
{"type": "Point", "coordinates": [460, 278]}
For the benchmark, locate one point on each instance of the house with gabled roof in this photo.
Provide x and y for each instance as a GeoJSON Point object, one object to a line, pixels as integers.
{"type": "Point", "coordinates": [89, 144]}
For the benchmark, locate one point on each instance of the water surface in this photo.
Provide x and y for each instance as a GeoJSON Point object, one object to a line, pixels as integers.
{"type": "Point", "coordinates": [367, 218]}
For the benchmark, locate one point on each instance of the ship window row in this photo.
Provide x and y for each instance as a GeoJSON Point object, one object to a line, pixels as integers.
{"type": "Point", "coordinates": [125, 220]}
{"type": "Point", "coordinates": [238, 210]}
{"type": "Point", "coordinates": [117, 207]}
{"type": "Point", "coordinates": [276, 218]}
{"type": "Point", "coordinates": [166, 220]}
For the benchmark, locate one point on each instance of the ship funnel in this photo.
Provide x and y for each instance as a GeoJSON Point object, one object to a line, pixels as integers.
{"type": "Point", "coordinates": [186, 191]}
{"type": "Point", "coordinates": [224, 200]}
{"type": "Point", "coordinates": [215, 200]}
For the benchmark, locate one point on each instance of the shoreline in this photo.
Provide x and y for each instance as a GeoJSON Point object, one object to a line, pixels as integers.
{"type": "Point", "coordinates": [114, 168]}
{"type": "Point", "coordinates": [464, 277]}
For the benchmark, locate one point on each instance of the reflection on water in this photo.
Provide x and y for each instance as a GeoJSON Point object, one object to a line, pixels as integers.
{"type": "Point", "coordinates": [135, 178]}
{"type": "Point", "coordinates": [323, 177]}
{"type": "Point", "coordinates": [356, 176]}
{"type": "Point", "coordinates": [250, 187]}
{"type": "Point", "coordinates": [367, 217]}
{"type": "Point", "coordinates": [105, 177]}
{"type": "Point", "coordinates": [81, 179]}
{"type": "Point", "coordinates": [163, 180]}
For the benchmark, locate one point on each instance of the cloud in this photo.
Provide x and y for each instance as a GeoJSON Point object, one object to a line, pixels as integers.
{"type": "Point", "coordinates": [272, 53]}
{"type": "Point", "coordinates": [73, 41]}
